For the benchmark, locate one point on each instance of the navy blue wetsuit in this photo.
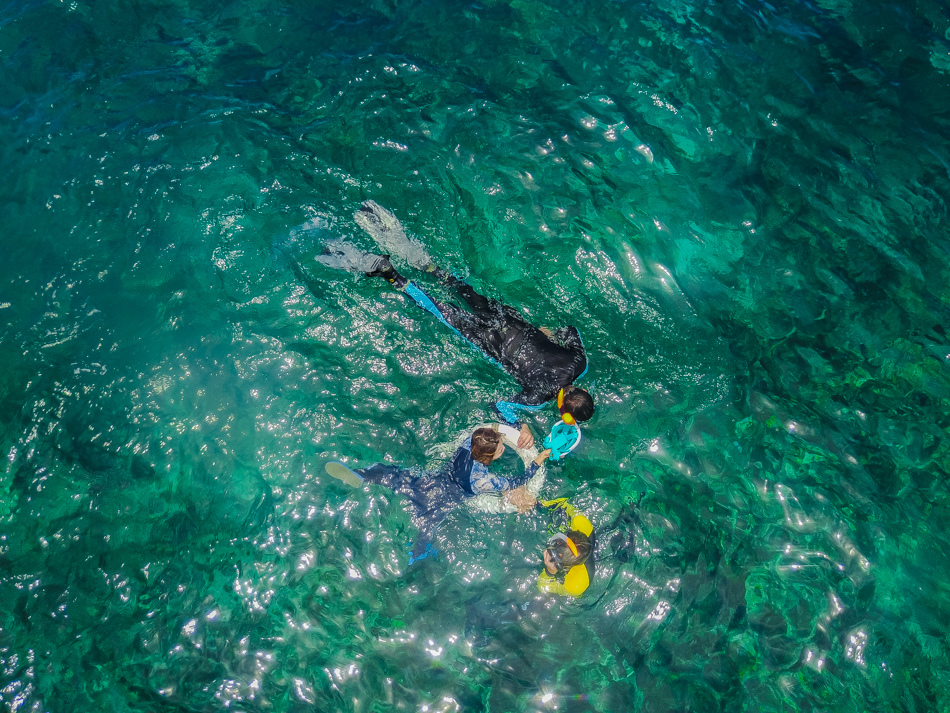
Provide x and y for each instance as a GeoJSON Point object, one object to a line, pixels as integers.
{"type": "Point", "coordinates": [540, 364]}
{"type": "Point", "coordinates": [432, 496]}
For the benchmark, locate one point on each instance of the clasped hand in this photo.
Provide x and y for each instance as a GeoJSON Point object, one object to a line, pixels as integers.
{"type": "Point", "coordinates": [522, 499]}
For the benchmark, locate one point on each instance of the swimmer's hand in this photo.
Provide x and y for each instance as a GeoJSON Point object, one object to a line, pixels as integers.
{"type": "Point", "coordinates": [542, 456]}
{"type": "Point", "coordinates": [546, 332]}
{"type": "Point", "coordinates": [525, 438]}
{"type": "Point", "coordinates": [522, 499]}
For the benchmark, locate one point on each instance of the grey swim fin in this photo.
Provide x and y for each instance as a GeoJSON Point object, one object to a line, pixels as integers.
{"type": "Point", "coordinates": [341, 255]}
{"type": "Point", "coordinates": [389, 234]}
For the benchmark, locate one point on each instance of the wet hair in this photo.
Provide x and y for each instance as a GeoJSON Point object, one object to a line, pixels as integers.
{"type": "Point", "coordinates": [581, 542]}
{"type": "Point", "coordinates": [484, 444]}
{"type": "Point", "coordinates": [578, 403]}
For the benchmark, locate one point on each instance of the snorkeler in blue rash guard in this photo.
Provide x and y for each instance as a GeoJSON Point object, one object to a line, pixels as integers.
{"type": "Point", "coordinates": [432, 496]}
{"type": "Point", "coordinates": [544, 363]}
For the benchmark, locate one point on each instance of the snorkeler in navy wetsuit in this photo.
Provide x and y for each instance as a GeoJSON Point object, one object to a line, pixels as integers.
{"type": "Point", "coordinates": [432, 496]}
{"type": "Point", "coordinates": [545, 364]}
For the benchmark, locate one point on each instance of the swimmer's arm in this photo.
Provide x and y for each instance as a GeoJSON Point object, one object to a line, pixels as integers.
{"type": "Point", "coordinates": [506, 409]}
{"type": "Point", "coordinates": [483, 481]}
{"type": "Point", "coordinates": [522, 500]}
{"type": "Point", "coordinates": [525, 437]}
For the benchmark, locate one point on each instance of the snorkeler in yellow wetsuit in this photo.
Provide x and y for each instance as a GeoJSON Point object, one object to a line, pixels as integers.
{"type": "Point", "coordinates": [568, 564]}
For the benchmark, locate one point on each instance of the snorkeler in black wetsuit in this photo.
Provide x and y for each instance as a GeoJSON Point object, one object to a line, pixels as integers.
{"type": "Point", "coordinates": [543, 363]}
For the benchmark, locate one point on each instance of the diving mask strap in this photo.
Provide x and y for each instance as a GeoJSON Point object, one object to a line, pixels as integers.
{"type": "Point", "coordinates": [561, 537]}
{"type": "Point", "coordinates": [566, 417]}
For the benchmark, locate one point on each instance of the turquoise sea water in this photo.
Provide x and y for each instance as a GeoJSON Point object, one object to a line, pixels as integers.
{"type": "Point", "coordinates": [742, 206]}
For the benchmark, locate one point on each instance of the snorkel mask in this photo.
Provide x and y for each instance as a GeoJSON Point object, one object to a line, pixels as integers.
{"type": "Point", "coordinates": [565, 435]}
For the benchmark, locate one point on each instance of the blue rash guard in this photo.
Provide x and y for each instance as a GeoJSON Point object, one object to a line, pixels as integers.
{"type": "Point", "coordinates": [541, 365]}
{"type": "Point", "coordinates": [432, 496]}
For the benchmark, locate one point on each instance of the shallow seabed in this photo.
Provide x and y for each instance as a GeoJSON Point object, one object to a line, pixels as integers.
{"type": "Point", "coordinates": [741, 205]}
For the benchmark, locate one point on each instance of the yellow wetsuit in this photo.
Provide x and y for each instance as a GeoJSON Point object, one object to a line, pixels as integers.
{"type": "Point", "coordinates": [576, 580]}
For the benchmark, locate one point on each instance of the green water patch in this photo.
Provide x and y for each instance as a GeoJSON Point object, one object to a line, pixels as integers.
{"type": "Point", "coordinates": [742, 210]}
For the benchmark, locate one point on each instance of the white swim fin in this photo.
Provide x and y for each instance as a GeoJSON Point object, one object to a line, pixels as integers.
{"type": "Point", "coordinates": [389, 234]}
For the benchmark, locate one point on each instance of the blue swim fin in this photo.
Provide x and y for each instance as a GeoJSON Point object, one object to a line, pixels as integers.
{"type": "Point", "coordinates": [429, 551]}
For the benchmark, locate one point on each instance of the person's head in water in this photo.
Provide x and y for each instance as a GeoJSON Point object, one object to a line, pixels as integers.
{"type": "Point", "coordinates": [576, 403]}
{"type": "Point", "coordinates": [487, 445]}
{"type": "Point", "coordinates": [566, 550]}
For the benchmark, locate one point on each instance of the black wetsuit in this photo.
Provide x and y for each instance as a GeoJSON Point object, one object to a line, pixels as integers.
{"type": "Point", "coordinates": [542, 365]}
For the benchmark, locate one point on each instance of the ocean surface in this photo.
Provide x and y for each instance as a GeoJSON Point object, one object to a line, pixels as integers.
{"type": "Point", "coordinates": [741, 205]}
